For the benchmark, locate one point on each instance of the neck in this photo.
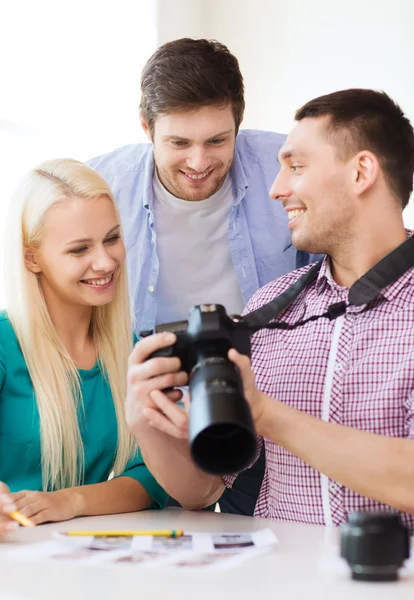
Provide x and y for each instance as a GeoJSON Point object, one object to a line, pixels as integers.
{"type": "Point", "coordinates": [352, 260]}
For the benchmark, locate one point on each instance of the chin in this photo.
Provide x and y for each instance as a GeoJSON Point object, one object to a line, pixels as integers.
{"type": "Point", "coordinates": [306, 244]}
{"type": "Point", "coordinates": [196, 195]}
{"type": "Point", "coordinates": [103, 301]}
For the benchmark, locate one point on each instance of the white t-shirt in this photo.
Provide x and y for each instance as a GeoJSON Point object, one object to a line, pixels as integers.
{"type": "Point", "coordinates": [194, 254]}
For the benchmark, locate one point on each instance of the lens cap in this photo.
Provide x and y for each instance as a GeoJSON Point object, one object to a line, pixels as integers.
{"type": "Point", "coordinates": [375, 545]}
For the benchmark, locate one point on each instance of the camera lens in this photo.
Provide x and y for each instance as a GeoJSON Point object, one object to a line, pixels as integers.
{"type": "Point", "coordinates": [375, 545]}
{"type": "Point", "coordinates": [221, 431]}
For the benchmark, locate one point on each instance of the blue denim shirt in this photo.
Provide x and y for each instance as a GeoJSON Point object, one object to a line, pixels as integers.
{"type": "Point", "coordinates": [259, 238]}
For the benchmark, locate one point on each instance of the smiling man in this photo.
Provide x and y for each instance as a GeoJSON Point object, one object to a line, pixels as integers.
{"type": "Point", "coordinates": [198, 221]}
{"type": "Point", "coordinates": [332, 394]}
{"type": "Point", "coordinates": [199, 224]}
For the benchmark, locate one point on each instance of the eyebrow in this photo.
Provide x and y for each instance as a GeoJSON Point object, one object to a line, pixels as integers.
{"type": "Point", "coordinates": [85, 240]}
{"type": "Point", "coordinates": [286, 154]}
{"type": "Point", "coordinates": [212, 137]}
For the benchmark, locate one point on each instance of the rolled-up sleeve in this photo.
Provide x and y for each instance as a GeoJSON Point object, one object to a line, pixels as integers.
{"type": "Point", "coordinates": [137, 469]}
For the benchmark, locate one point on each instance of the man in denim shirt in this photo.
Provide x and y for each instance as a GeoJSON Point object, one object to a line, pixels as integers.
{"type": "Point", "coordinates": [198, 222]}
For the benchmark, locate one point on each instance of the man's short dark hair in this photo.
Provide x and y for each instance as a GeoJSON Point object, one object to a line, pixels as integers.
{"type": "Point", "coordinates": [362, 119]}
{"type": "Point", "coordinates": [187, 74]}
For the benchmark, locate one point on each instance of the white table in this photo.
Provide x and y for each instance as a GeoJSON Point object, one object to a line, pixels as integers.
{"type": "Point", "coordinates": [296, 569]}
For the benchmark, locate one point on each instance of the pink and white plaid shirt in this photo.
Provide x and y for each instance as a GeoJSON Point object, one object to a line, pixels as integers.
{"type": "Point", "coordinates": [356, 371]}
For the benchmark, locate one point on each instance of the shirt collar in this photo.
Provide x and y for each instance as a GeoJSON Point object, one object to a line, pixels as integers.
{"type": "Point", "coordinates": [324, 276]}
{"type": "Point", "coordinates": [389, 292]}
{"type": "Point", "coordinates": [393, 289]}
{"type": "Point", "coordinates": [238, 174]}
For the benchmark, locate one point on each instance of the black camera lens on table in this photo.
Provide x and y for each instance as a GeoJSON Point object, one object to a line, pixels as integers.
{"type": "Point", "coordinates": [221, 431]}
{"type": "Point", "coordinates": [375, 545]}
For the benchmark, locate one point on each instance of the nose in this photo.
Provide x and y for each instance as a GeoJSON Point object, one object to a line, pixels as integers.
{"type": "Point", "coordinates": [198, 160]}
{"type": "Point", "coordinates": [281, 187]}
{"type": "Point", "coordinates": [102, 261]}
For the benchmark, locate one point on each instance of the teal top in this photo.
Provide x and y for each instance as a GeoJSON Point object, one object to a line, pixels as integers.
{"type": "Point", "coordinates": [20, 465]}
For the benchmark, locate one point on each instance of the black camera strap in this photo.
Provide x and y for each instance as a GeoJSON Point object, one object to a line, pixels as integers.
{"type": "Point", "coordinates": [363, 291]}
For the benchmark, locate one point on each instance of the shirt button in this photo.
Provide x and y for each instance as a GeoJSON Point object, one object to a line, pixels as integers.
{"type": "Point", "coordinates": [151, 288]}
{"type": "Point", "coordinates": [339, 367]}
{"type": "Point", "coordinates": [332, 486]}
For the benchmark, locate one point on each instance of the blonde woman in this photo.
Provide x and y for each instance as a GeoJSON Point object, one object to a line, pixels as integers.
{"type": "Point", "coordinates": [64, 347]}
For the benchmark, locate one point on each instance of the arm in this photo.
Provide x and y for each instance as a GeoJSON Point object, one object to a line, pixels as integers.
{"type": "Point", "coordinates": [372, 465]}
{"type": "Point", "coordinates": [119, 495]}
{"type": "Point", "coordinates": [135, 489]}
{"type": "Point", "coordinates": [160, 427]}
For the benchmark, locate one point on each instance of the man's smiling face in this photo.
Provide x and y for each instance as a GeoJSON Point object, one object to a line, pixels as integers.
{"type": "Point", "coordinates": [194, 150]}
{"type": "Point", "coordinates": [314, 186]}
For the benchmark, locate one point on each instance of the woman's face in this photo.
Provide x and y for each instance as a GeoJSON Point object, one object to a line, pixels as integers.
{"type": "Point", "coordinates": [81, 253]}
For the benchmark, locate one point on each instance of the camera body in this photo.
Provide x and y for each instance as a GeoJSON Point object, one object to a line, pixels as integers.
{"type": "Point", "coordinates": [221, 431]}
{"type": "Point", "coordinates": [208, 330]}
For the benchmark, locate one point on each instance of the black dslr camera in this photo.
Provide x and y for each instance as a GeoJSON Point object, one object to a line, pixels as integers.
{"type": "Point", "coordinates": [221, 431]}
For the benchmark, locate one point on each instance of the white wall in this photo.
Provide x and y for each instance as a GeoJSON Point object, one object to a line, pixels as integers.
{"type": "Point", "coordinates": [179, 18]}
{"type": "Point", "coordinates": [293, 50]}
{"type": "Point", "coordinates": [70, 82]}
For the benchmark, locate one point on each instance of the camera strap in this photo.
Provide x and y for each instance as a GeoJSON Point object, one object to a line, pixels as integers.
{"type": "Point", "coordinates": [364, 290]}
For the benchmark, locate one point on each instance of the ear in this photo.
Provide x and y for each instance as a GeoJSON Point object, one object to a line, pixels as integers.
{"type": "Point", "coordinates": [145, 127]}
{"type": "Point", "coordinates": [365, 172]}
{"type": "Point", "coordinates": [30, 260]}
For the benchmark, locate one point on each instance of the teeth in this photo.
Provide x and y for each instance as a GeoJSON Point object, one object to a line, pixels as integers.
{"type": "Point", "coordinates": [99, 281]}
{"type": "Point", "coordinates": [192, 176]}
{"type": "Point", "coordinates": [292, 214]}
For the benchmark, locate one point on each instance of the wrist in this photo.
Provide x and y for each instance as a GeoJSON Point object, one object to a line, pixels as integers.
{"type": "Point", "coordinates": [74, 500]}
{"type": "Point", "coordinates": [272, 422]}
{"type": "Point", "coordinates": [261, 417]}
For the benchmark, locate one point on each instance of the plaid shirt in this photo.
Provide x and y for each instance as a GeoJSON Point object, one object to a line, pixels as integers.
{"type": "Point", "coordinates": [357, 371]}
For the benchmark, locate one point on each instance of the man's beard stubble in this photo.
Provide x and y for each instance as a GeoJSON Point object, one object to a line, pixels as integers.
{"type": "Point", "coordinates": [181, 192]}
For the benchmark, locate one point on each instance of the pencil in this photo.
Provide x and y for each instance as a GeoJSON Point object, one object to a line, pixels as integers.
{"type": "Point", "coordinates": [130, 533]}
{"type": "Point", "coordinates": [21, 519]}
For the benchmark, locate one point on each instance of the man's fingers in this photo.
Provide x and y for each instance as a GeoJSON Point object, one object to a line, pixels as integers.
{"type": "Point", "coordinates": [242, 361]}
{"type": "Point", "coordinates": [163, 424]}
{"type": "Point", "coordinates": [152, 368]}
{"type": "Point", "coordinates": [170, 380]}
{"type": "Point", "coordinates": [150, 344]}
{"type": "Point", "coordinates": [187, 401]}
{"type": "Point", "coordinates": [176, 415]}
{"type": "Point", "coordinates": [174, 395]}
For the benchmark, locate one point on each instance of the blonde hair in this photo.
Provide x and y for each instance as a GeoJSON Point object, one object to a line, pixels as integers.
{"type": "Point", "coordinates": [53, 373]}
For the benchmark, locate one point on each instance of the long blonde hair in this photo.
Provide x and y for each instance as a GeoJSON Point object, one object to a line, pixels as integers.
{"type": "Point", "coordinates": [53, 373]}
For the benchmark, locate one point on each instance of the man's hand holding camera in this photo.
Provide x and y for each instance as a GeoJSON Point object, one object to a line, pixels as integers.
{"type": "Point", "coordinates": [256, 399]}
{"type": "Point", "coordinates": [161, 427]}
{"type": "Point", "coordinates": [147, 379]}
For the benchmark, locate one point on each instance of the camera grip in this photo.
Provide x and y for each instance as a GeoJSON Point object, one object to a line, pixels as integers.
{"type": "Point", "coordinates": [167, 352]}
